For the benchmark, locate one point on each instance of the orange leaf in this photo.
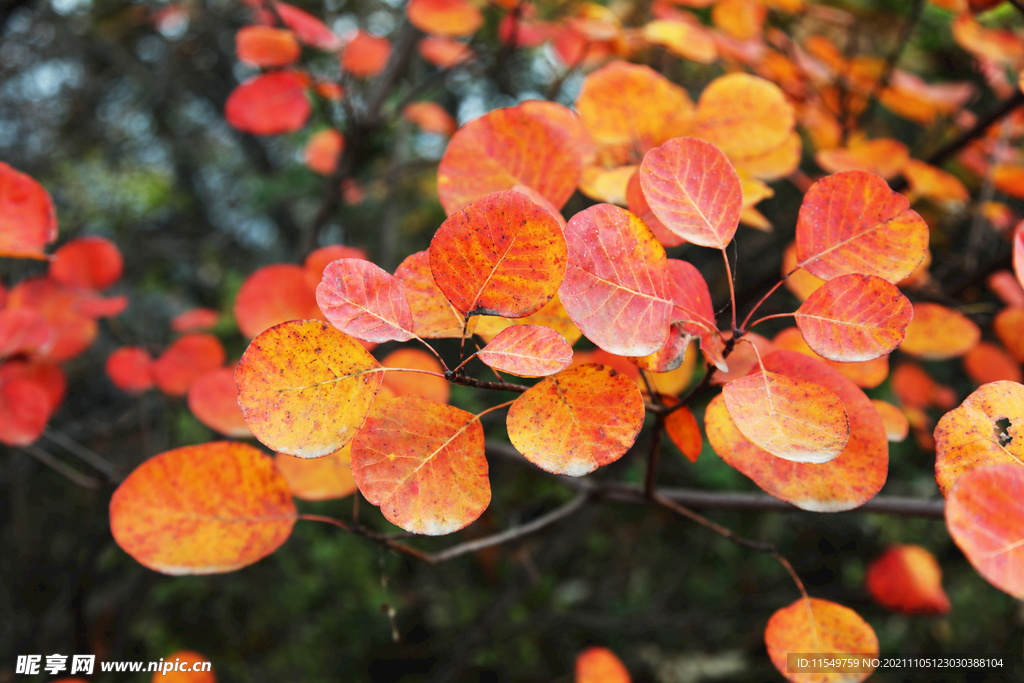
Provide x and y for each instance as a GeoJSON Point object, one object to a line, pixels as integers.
{"type": "Point", "coordinates": [28, 221]}
{"type": "Point", "coordinates": [323, 151]}
{"type": "Point", "coordinates": [985, 429]}
{"type": "Point", "coordinates": [576, 421]}
{"type": "Point", "coordinates": [185, 361]}
{"type": "Point", "coordinates": [1009, 327]}
{"type": "Point", "coordinates": [985, 517]}
{"type": "Point", "coordinates": [987, 363]}
{"type": "Point", "coordinates": [681, 426]}
{"type": "Point", "coordinates": [423, 463]}
{"type": "Point", "coordinates": [852, 222]}
{"type": "Point", "coordinates": [305, 388]}
{"type": "Point", "coordinates": [637, 204]}
{"type": "Point", "coordinates": [690, 41]}
{"type": "Point", "coordinates": [743, 115]}
{"type": "Point", "coordinates": [433, 315]}
{"type": "Point", "coordinates": [325, 478]}
{"type": "Point", "coordinates": [25, 408]}
{"type": "Point", "coordinates": [867, 374]}
{"type": "Point", "coordinates": [854, 318]}
{"type": "Point", "coordinates": [444, 17]}
{"type": "Point", "coordinates": [600, 665]}
{"type": "Point", "coordinates": [365, 55]}
{"type": "Point", "coordinates": [800, 282]}
{"type": "Point", "coordinates": [691, 186]}
{"type": "Point", "coordinates": [527, 351]}
{"type": "Point", "coordinates": [509, 147]}
{"type": "Point", "coordinates": [741, 19]}
{"type": "Point", "coordinates": [794, 419]}
{"type": "Point", "coordinates": [205, 509]}
{"type": "Point", "coordinates": [319, 259]}
{"type": "Point", "coordinates": [213, 399]}
{"type": "Point", "coordinates": [935, 184]}
{"type": "Point", "coordinates": [269, 104]}
{"type": "Point", "coordinates": [908, 579]}
{"type": "Point", "coordinates": [364, 301]}
{"type": "Point", "coordinates": [501, 255]}
{"type": "Point", "coordinates": [195, 319]}
{"type": "Point", "coordinates": [310, 30]}
{"type": "Point", "coordinates": [915, 388]}
{"type": "Point", "coordinates": [884, 157]}
{"type": "Point", "coordinates": [129, 368]}
{"type": "Point", "coordinates": [444, 52]}
{"type": "Point", "coordinates": [90, 262]}
{"type": "Point", "coordinates": [266, 46]}
{"type": "Point", "coordinates": [842, 484]}
{"type": "Point", "coordinates": [431, 117]}
{"type": "Point", "coordinates": [415, 383]}
{"type": "Point", "coordinates": [189, 658]}
{"type": "Point", "coordinates": [633, 106]}
{"type": "Point", "coordinates": [275, 294]}
{"type": "Point", "coordinates": [939, 333]}
{"type": "Point", "coordinates": [896, 424]}
{"type": "Point", "coordinates": [1001, 46]}
{"type": "Point", "coordinates": [815, 626]}
{"type": "Point", "coordinates": [616, 286]}
{"type": "Point", "coordinates": [553, 315]}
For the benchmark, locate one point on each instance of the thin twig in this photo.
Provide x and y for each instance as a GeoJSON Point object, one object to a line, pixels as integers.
{"type": "Point", "coordinates": [91, 457]}
{"type": "Point", "coordinates": [902, 40]}
{"type": "Point", "coordinates": [83, 480]}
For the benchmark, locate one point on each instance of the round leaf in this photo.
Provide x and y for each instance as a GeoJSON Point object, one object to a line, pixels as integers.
{"type": "Point", "coordinates": [364, 301]}
{"type": "Point", "coordinates": [28, 221]}
{"type": "Point", "coordinates": [432, 314]}
{"type": "Point", "coordinates": [939, 333]}
{"type": "Point", "coordinates": [90, 262]}
{"type": "Point", "coordinates": [908, 579]}
{"type": "Point", "coordinates": [202, 509]}
{"type": "Point", "coordinates": [272, 295]}
{"type": "Point", "coordinates": [527, 351]}
{"type": "Point", "coordinates": [305, 388]}
{"type": "Point", "coordinates": [269, 104]}
{"type": "Point", "coordinates": [325, 478]}
{"type": "Point", "coordinates": [816, 627]}
{"type": "Point", "coordinates": [213, 399]}
{"type": "Point", "coordinates": [576, 421]}
{"type": "Point", "coordinates": [185, 361]}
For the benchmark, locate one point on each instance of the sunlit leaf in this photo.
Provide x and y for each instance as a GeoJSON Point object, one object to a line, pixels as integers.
{"type": "Point", "coordinates": [266, 46]}
{"type": "Point", "coordinates": [28, 221]}
{"type": "Point", "coordinates": [883, 157]}
{"type": "Point", "coordinates": [939, 333]}
{"type": "Point", "coordinates": [185, 361]}
{"type": "Point", "coordinates": [616, 286]}
{"type": "Point", "coordinates": [213, 399]}
{"type": "Point", "coordinates": [574, 422]}
{"type": "Point", "coordinates": [819, 627]}
{"type": "Point", "coordinates": [794, 419]}
{"type": "Point", "coordinates": [275, 294]}
{"type": "Point", "coordinates": [423, 464]}
{"type": "Point", "coordinates": [896, 424]}
{"type": "Point", "coordinates": [364, 301]}
{"type": "Point", "coordinates": [637, 204]}
{"type": "Point", "coordinates": [269, 104]}
{"type": "Point", "coordinates": [305, 388]}
{"type": "Point", "coordinates": [852, 222]}
{"type": "Point", "coordinates": [743, 115]}
{"type": "Point", "coordinates": [690, 41]}
{"type": "Point", "coordinates": [866, 374]}
{"type": "Point", "coordinates": [842, 484]}
{"type": "Point", "coordinates": [444, 17]}
{"type": "Point", "coordinates": [694, 190]}
{"type": "Point", "coordinates": [501, 255]}
{"type": "Point", "coordinates": [935, 184]}
{"type": "Point", "coordinates": [323, 478]}
{"type": "Point", "coordinates": [433, 315]}
{"type": "Point", "coordinates": [527, 351]}
{"type": "Point", "coordinates": [205, 509]}
{"type": "Point", "coordinates": [90, 262]}
{"type": "Point", "coordinates": [908, 579]}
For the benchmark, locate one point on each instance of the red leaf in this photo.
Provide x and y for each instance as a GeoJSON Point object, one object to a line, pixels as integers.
{"type": "Point", "coordinates": [185, 361]}
{"type": "Point", "coordinates": [269, 104]}
{"type": "Point", "coordinates": [275, 294]}
{"type": "Point", "coordinates": [907, 579]}
{"type": "Point", "coordinates": [308, 28]}
{"type": "Point", "coordinates": [130, 369]}
{"type": "Point", "coordinates": [365, 55]}
{"type": "Point", "coordinates": [28, 221]}
{"type": "Point", "coordinates": [25, 408]}
{"type": "Point", "coordinates": [195, 319]}
{"type": "Point", "coordinates": [213, 399]}
{"type": "Point", "coordinates": [527, 351]}
{"type": "Point", "coordinates": [364, 301]}
{"type": "Point", "coordinates": [91, 262]}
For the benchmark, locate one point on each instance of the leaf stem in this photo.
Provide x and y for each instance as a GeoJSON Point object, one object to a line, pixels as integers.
{"type": "Point", "coordinates": [430, 348]}
{"type": "Point", "coordinates": [732, 288]}
{"type": "Point", "coordinates": [770, 317]}
{"type": "Point", "coordinates": [358, 530]}
{"type": "Point", "coordinates": [743, 327]}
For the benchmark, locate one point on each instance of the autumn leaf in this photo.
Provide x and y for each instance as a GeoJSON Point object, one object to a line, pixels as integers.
{"type": "Point", "coordinates": [444, 17]}
{"type": "Point", "coordinates": [423, 464]}
{"type": "Point", "coordinates": [398, 383]}
{"type": "Point", "coordinates": [205, 509]}
{"type": "Point", "coordinates": [325, 478]}
{"type": "Point", "coordinates": [310, 30]}
{"type": "Point", "coordinates": [365, 55]}
{"type": "Point", "coordinates": [195, 319]}
{"type": "Point", "coordinates": [269, 104]}
{"type": "Point", "coordinates": [24, 331]}
{"type": "Point", "coordinates": [600, 665]}
{"type": "Point", "coordinates": [25, 409]}
{"type": "Point", "coordinates": [90, 262]}
{"type": "Point", "coordinates": [681, 426]}
{"type": "Point", "coordinates": [213, 399]}
{"type": "Point", "coordinates": [364, 301]}
{"type": "Point", "coordinates": [578, 420]}
{"type": "Point", "coordinates": [28, 220]}
{"type": "Point", "coordinates": [616, 285]}
{"type": "Point", "coordinates": [266, 46]}
{"type": "Point", "coordinates": [854, 318]}
{"type": "Point", "coordinates": [987, 362]}
{"type": "Point", "coordinates": [527, 351]}
{"type": "Point", "coordinates": [305, 388]}
{"type": "Point", "coordinates": [49, 377]}
{"type": "Point", "coordinates": [896, 425]}
{"type": "Point", "coordinates": [939, 333]}
{"type": "Point", "coordinates": [883, 157]}
{"type": "Point", "coordinates": [694, 190]}
{"type": "Point", "coordinates": [272, 295]}
{"type": "Point", "coordinates": [743, 115]}
{"type": "Point", "coordinates": [433, 315]}
{"type": "Point", "coordinates": [866, 374]}
{"type": "Point", "coordinates": [819, 627]}
{"type": "Point", "coordinates": [323, 150]}
{"type": "Point", "coordinates": [185, 361]}
{"type": "Point", "coordinates": [793, 419]}
{"type": "Point", "coordinates": [852, 222]}
{"type": "Point", "coordinates": [637, 204]}
{"type": "Point", "coordinates": [553, 315]}
{"type": "Point", "coordinates": [908, 579]}
{"type": "Point", "coordinates": [129, 368]}
{"type": "Point", "coordinates": [501, 255]}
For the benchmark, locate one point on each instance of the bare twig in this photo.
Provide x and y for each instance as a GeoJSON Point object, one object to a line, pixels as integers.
{"type": "Point", "coordinates": [57, 465]}
{"type": "Point", "coordinates": [91, 457]}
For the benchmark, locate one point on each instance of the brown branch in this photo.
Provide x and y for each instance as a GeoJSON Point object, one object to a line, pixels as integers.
{"type": "Point", "coordinates": [467, 381]}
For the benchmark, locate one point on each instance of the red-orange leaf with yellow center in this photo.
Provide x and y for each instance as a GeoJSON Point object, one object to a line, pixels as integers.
{"type": "Point", "coordinates": [444, 17]}
{"type": "Point", "coordinates": [28, 221]}
{"type": "Point", "coordinates": [423, 463]}
{"type": "Point", "coordinates": [213, 399]}
{"type": "Point", "coordinates": [842, 484]}
{"type": "Point", "coordinates": [505, 148]}
{"type": "Point", "coordinates": [269, 104]}
{"type": "Point", "coordinates": [985, 517]}
{"type": "Point", "coordinates": [90, 262]}
{"type": "Point", "coordinates": [852, 222]}
{"type": "Point", "coordinates": [600, 665]}
{"type": "Point", "coordinates": [275, 294]}
{"type": "Point", "coordinates": [578, 420]}
{"type": "Point", "coordinates": [819, 627]}
{"type": "Point", "coordinates": [305, 387]}
{"type": "Point", "coordinates": [527, 351]}
{"type": "Point", "coordinates": [986, 428]}
{"type": "Point", "coordinates": [266, 46]}
{"type": "Point", "coordinates": [691, 186]}
{"type": "Point", "coordinates": [185, 361]}
{"type": "Point", "coordinates": [364, 301]}
{"type": "Point", "coordinates": [501, 255]}
{"type": "Point", "coordinates": [854, 318]}
{"type": "Point", "coordinates": [616, 286]}
{"type": "Point", "coordinates": [205, 509]}
{"type": "Point", "coordinates": [325, 478]}
{"type": "Point", "coordinates": [433, 315]}
{"type": "Point", "coordinates": [939, 333]}
{"type": "Point", "coordinates": [794, 419]}
{"type": "Point", "coordinates": [908, 579]}
{"type": "Point", "coordinates": [681, 426]}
